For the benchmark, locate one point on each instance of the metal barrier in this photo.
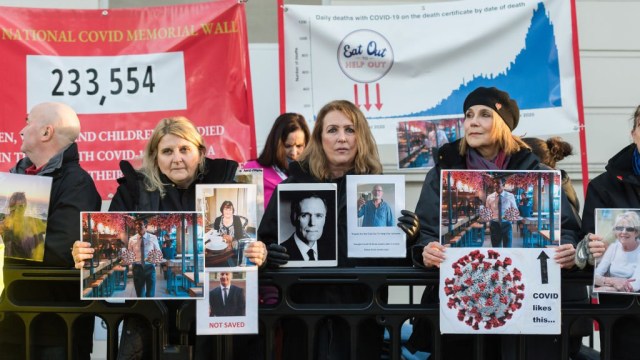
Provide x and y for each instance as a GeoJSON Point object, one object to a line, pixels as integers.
{"type": "Point", "coordinates": [373, 282]}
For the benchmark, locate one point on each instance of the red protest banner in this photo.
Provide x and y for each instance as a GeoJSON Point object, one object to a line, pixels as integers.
{"type": "Point", "coordinates": [123, 70]}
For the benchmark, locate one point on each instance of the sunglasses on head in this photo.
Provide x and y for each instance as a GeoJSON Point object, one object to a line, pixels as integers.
{"type": "Point", "coordinates": [626, 228]}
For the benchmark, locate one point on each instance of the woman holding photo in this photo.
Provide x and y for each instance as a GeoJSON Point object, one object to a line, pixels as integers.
{"type": "Point", "coordinates": [618, 187]}
{"type": "Point", "coordinates": [341, 144]}
{"type": "Point", "coordinates": [490, 116]}
{"type": "Point", "coordinates": [173, 163]}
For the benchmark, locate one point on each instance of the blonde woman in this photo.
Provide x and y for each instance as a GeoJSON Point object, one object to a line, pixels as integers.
{"type": "Point", "coordinates": [490, 116]}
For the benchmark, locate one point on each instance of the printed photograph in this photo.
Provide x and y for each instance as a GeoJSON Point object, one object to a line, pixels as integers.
{"type": "Point", "coordinates": [375, 205]}
{"type": "Point", "coordinates": [227, 294]}
{"type": "Point", "coordinates": [230, 222]}
{"type": "Point", "coordinates": [372, 216]}
{"type": "Point", "coordinates": [24, 206]}
{"type": "Point", "coordinates": [500, 209]}
{"type": "Point", "coordinates": [419, 140]}
{"type": "Point", "coordinates": [307, 223]}
{"type": "Point", "coordinates": [617, 271]}
{"type": "Point", "coordinates": [143, 255]}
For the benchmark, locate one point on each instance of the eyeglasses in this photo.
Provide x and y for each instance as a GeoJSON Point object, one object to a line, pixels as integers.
{"type": "Point", "coordinates": [625, 228]}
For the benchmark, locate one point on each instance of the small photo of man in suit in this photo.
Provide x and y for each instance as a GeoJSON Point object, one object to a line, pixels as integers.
{"type": "Point", "coordinates": [310, 241]}
{"type": "Point", "coordinates": [226, 299]}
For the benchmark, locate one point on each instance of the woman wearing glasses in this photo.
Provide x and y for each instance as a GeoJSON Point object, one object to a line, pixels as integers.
{"type": "Point", "coordinates": [617, 270]}
{"type": "Point", "coordinates": [618, 187]}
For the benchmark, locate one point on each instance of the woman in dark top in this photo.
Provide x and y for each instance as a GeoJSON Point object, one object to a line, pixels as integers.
{"type": "Point", "coordinates": [488, 144]}
{"type": "Point", "coordinates": [230, 226]}
{"type": "Point", "coordinates": [173, 163]}
{"type": "Point", "coordinates": [341, 144]}
{"type": "Point", "coordinates": [617, 187]}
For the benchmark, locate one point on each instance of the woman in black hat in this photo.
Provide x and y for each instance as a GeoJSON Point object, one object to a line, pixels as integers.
{"type": "Point", "coordinates": [488, 144]}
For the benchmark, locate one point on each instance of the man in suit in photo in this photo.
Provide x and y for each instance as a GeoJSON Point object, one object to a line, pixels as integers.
{"type": "Point", "coordinates": [499, 202]}
{"type": "Point", "coordinates": [144, 272]}
{"type": "Point", "coordinates": [226, 299]}
{"type": "Point", "coordinates": [308, 215]}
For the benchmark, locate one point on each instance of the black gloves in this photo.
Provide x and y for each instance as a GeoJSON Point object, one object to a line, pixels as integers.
{"type": "Point", "coordinates": [410, 224]}
{"type": "Point", "coordinates": [276, 255]}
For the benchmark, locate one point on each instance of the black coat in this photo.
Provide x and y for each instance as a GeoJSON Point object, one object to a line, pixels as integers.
{"type": "Point", "coordinates": [428, 211]}
{"type": "Point", "coordinates": [617, 187]}
{"type": "Point", "coordinates": [72, 191]}
{"type": "Point", "coordinates": [332, 337]}
{"type": "Point", "coordinates": [132, 196]}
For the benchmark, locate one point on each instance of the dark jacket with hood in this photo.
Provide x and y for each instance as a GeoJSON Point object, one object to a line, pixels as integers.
{"type": "Point", "coordinates": [72, 191]}
{"type": "Point", "coordinates": [132, 196]}
{"type": "Point", "coordinates": [617, 187]}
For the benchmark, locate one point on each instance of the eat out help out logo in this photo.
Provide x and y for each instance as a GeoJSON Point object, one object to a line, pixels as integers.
{"type": "Point", "coordinates": [365, 56]}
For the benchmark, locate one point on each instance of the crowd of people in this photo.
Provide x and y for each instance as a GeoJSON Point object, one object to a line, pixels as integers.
{"type": "Point", "coordinates": [340, 144]}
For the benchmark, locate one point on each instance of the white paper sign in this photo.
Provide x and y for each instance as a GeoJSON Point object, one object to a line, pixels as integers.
{"type": "Point", "coordinates": [373, 207]}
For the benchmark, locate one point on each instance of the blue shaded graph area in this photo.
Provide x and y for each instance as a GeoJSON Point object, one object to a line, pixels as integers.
{"type": "Point", "coordinates": [532, 78]}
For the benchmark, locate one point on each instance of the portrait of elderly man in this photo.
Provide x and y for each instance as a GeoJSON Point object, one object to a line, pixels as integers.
{"type": "Point", "coordinates": [375, 212]}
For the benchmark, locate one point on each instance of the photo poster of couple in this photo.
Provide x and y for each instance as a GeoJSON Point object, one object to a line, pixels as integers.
{"type": "Point", "coordinates": [230, 280]}
{"type": "Point", "coordinates": [500, 229]}
{"type": "Point", "coordinates": [307, 224]}
{"type": "Point", "coordinates": [24, 207]}
{"type": "Point", "coordinates": [142, 255]}
{"type": "Point", "coordinates": [618, 270]}
{"type": "Point", "coordinates": [373, 207]}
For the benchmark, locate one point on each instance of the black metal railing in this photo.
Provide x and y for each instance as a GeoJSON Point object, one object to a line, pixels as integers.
{"type": "Point", "coordinates": [372, 284]}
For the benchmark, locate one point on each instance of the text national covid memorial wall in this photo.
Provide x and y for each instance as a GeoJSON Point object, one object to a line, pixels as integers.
{"type": "Point", "coordinates": [123, 70]}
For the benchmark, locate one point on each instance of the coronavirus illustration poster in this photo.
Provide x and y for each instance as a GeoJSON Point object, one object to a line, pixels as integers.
{"type": "Point", "coordinates": [500, 290]}
{"type": "Point", "coordinates": [501, 230]}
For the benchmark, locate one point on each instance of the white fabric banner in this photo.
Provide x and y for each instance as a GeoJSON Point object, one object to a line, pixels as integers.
{"type": "Point", "coordinates": [404, 63]}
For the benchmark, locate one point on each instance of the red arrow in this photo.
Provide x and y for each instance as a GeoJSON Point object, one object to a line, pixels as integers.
{"type": "Point", "coordinates": [355, 94]}
{"type": "Point", "coordinates": [378, 103]}
{"type": "Point", "coordinates": [367, 104]}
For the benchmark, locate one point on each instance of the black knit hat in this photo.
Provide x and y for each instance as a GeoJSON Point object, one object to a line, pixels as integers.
{"type": "Point", "coordinates": [496, 99]}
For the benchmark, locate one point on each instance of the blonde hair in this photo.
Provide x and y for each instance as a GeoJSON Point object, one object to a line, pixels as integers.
{"type": "Point", "coordinates": [178, 126]}
{"type": "Point", "coordinates": [367, 160]}
{"type": "Point", "coordinates": [501, 135]}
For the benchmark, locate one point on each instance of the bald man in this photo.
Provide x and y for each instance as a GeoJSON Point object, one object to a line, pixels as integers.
{"type": "Point", "coordinates": [48, 141]}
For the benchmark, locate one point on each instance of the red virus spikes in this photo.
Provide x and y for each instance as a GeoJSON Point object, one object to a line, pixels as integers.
{"type": "Point", "coordinates": [484, 289]}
